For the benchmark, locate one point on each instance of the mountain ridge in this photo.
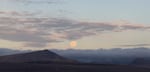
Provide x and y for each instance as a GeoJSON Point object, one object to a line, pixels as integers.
{"type": "Point", "coordinates": [35, 56]}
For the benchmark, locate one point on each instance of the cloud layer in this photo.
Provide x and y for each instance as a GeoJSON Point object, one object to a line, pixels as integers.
{"type": "Point", "coordinates": [36, 1]}
{"type": "Point", "coordinates": [39, 31]}
{"type": "Point", "coordinates": [135, 45]}
{"type": "Point", "coordinates": [15, 13]}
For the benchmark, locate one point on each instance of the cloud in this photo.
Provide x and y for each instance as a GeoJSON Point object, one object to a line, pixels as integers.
{"type": "Point", "coordinates": [135, 45]}
{"type": "Point", "coordinates": [34, 44]}
{"type": "Point", "coordinates": [40, 31]}
{"type": "Point", "coordinates": [15, 13]}
{"type": "Point", "coordinates": [37, 1]}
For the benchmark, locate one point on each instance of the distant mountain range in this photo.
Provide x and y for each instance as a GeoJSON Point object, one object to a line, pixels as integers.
{"type": "Point", "coordinates": [107, 56]}
{"type": "Point", "coordinates": [100, 56]}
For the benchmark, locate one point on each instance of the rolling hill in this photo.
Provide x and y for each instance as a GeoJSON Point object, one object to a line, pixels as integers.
{"type": "Point", "coordinates": [36, 56]}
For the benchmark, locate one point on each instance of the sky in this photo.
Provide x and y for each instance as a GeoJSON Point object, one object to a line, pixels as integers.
{"type": "Point", "coordinates": [74, 24]}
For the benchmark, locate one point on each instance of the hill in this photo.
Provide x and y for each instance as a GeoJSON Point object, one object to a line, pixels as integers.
{"type": "Point", "coordinates": [36, 56]}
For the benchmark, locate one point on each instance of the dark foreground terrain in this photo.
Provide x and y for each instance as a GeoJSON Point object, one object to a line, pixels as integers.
{"type": "Point", "coordinates": [33, 67]}
{"type": "Point", "coordinates": [48, 61]}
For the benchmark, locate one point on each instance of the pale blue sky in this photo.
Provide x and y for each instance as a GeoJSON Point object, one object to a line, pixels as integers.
{"type": "Point", "coordinates": [110, 12]}
{"type": "Point", "coordinates": [132, 10]}
{"type": "Point", "coordinates": [100, 10]}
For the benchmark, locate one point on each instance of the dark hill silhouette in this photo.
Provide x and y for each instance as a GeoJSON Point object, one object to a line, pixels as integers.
{"type": "Point", "coordinates": [38, 61]}
{"type": "Point", "coordinates": [142, 61]}
{"type": "Point", "coordinates": [36, 56]}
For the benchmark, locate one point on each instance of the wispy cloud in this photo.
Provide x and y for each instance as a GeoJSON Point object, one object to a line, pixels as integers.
{"type": "Point", "coordinates": [37, 1]}
{"type": "Point", "coordinates": [135, 45]}
{"type": "Point", "coordinates": [15, 13]}
{"type": "Point", "coordinates": [38, 32]}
